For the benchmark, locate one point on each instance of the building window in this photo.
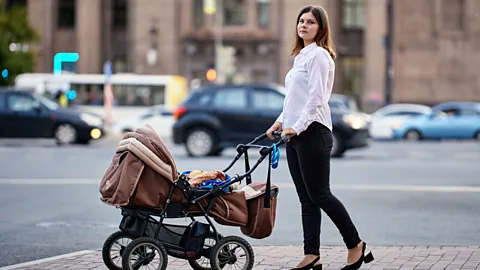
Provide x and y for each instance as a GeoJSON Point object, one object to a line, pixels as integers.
{"type": "Point", "coordinates": [263, 9]}
{"type": "Point", "coordinates": [69, 67]}
{"type": "Point", "coordinates": [234, 12]}
{"type": "Point", "coordinates": [453, 14]}
{"type": "Point", "coordinates": [198, 14]}
{"type": "Point", "coordinates": [66, 14]}
{"type": "Point", "coordinates": [353, 13]}
{"type": "Point", "coordinates": [120, 15]}
{"type": "Point", "coordinates": [9, 4]}
{"type": "Point", "coordinates": [352, 76]}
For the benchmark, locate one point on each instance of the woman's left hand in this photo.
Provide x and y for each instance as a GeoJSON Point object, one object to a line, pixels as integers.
{"type": "Point", "coordinates": [288, 131]}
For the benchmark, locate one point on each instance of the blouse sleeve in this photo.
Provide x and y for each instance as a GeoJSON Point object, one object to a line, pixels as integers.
{"type": "Point", "coordinates": [317, 70]}
{"type": "Point", "coordinates": [280, 118]}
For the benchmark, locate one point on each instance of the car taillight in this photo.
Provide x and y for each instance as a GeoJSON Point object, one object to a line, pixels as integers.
{"type": "Point", "coordinates": [179, 111]}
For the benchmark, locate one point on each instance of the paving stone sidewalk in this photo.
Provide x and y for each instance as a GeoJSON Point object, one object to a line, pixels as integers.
{"type": "Point", "coordinates": [286, 257]}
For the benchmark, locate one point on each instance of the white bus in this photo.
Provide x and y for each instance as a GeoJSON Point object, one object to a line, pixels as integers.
{"type": "Point", "coordinates": [132, 93]}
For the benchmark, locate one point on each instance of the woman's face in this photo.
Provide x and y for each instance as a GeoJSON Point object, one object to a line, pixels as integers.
{"type": "Point", "coordinates": [307, 27]}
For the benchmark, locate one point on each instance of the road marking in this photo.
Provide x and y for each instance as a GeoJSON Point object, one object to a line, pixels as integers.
{"type": "Point", "coordinates": [63, 181]}
{"type": "Point", "coordinates": [372, 187]}
{"type": "Point", "coordinates": [418, 188]}
{"type": "Point", "coordinates": [466, 155]}
{"type": "Point", "coordinates": [26, 264]}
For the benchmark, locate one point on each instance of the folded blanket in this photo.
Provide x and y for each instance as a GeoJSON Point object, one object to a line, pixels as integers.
{"type": "Point", "coordinates": [196, 178]}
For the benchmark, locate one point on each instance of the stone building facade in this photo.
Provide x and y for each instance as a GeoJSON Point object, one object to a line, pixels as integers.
{"type": "Point", "coordinates": [435, 42]}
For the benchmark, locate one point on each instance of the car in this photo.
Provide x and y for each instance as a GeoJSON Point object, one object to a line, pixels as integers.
{"type": "Point", "coordinates": [449, 120]}
{"type": "Point", "coordinates": [27, 114]}
{"type": "Point", "coordinates": [340, 101]}
{"type": "Point", "coordinates": [158, 116]}
{"type": "Point", "coordinates": [215, 117]}
{"type": "Point", "coordinates": [389, 116]}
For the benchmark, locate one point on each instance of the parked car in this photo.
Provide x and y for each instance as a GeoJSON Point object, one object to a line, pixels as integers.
{"type": "Point", "coordinates": [340, 101]}
{"type": "Point", "coordinates": [159, 117]}
{"type": "Point", "coordinates": [450, 120]}
{"type": "Point", "coordinates": [26, 114]}
{"type": "Point", "coordinates": [216, 117]}
{"type": "Point", "coordinates": [386, 118]}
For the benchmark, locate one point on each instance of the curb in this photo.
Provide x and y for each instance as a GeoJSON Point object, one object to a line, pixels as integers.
{"type": "Point", "coordinates": [30, 263]}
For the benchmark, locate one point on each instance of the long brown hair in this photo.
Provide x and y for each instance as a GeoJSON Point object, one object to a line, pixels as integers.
{"type": "Point", "coordinates": [324, 34]}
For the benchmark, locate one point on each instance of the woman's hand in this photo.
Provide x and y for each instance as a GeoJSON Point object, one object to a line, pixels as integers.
{"type": "Point", "coordinates": [289, 131]}
{"type": "Point", "coordinates": [277, 126]}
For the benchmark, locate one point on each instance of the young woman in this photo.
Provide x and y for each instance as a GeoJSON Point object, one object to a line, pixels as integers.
{"type": "Point", "coordinates": [306, 118]}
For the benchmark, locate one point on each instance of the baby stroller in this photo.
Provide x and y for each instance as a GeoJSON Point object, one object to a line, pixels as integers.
{"type": "Point", "coordinates": [143, 182]}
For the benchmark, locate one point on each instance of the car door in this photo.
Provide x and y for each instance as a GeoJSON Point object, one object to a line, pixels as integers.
{"type": "Point", "coordinates": [266, 105]}
{"type": "Point", "coordinates": [230, 108]}
{"type": "Point", "coordinates": [26, 117]}
{"type": "Point", "coordinates": [464, 123]}
{"type": "Point", "coordinates": [437, 125]}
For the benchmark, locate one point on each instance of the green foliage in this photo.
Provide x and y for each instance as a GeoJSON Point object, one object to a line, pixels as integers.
{"type": "Point", "coordinates": [14, 28]}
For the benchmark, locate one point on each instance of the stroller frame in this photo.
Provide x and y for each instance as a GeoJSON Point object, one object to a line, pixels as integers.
{"type": "Point", "coordinates": [139, 222]}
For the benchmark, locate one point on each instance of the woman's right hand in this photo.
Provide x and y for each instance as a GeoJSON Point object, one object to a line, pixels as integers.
{"type": "Point", "coordinates": [277, 126]}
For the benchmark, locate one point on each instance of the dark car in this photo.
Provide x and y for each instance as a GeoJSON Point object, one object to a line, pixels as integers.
{"type": "Point", "coordinates": [215, 117]}
{"type": "Point", "coordinates": [26, 114]}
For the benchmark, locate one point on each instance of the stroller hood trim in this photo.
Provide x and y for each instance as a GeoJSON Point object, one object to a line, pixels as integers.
{"type": "Point", "coordinates": [146, 155]}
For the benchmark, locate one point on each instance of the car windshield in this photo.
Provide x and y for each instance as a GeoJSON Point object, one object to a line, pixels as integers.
{"type": "Point", "coordinates": [46, 102]}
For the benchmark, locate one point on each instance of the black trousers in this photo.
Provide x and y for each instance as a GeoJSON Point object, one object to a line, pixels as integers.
{"type": "Point", "coordinates": [308, 157]}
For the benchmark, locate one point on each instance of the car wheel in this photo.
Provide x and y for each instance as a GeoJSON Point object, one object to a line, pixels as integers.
{"type": "Point", "coordinates": [200, 142]}
{"type": "Point", "coordinates": [413, 135]}
{"type": "Point", "coordinates": [338, 148]}
{"type": "Point", "coordinates": [65, 134]}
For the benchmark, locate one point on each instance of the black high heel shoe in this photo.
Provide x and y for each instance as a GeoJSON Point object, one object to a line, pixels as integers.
{"type": "Point", "coordinates": [309, 266]}
{"type": "Point", "coordinates": [317, 267]}
{"type": "Point", "coordinates": [363, 259]}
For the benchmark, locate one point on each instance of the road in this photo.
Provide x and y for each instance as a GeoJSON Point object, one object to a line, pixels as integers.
{"type": "Point", "coordinates": [397, 194]}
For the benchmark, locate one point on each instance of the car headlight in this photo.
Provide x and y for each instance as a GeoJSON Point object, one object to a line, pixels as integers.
{"type": "Point", "coordinates": [354, 121]}
{"type": "Point", "coordinates": [91, 120]}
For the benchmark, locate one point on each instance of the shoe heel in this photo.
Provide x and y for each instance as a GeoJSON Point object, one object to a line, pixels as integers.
{"type": "Point", "coordinates": [317, 267]}
{"type": "Point", "coordinates": [368, 258]}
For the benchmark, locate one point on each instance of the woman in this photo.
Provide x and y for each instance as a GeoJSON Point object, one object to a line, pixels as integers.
{"type": "Point", "coordinates": [306, 118]}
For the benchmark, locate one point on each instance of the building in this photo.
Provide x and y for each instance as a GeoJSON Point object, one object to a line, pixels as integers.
{"type": "Point", "coordinates": [434, 47]}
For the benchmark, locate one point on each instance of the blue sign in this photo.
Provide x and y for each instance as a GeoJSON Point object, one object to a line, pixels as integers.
{"type": "Point", "coordinates": [59, 58]}
{"type": "Point", "coordinates": [5, 73]}
{"type": "Point", "coordinates": [107, 70]}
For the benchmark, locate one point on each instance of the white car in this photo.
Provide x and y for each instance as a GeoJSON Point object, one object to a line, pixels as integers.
{"type": "Point", "coordinates": [386, 118]}
{"type": "Point", "coordinates": [159, 117]}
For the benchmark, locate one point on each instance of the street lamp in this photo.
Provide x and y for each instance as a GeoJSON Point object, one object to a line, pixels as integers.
{"type": "Point", "coordinates": [152, 51]}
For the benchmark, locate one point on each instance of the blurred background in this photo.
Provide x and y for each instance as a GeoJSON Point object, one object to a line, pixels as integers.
{"type": "Point", "coordinates": [207, 75]}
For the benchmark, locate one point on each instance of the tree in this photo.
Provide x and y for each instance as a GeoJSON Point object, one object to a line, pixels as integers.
{"type": "Point", "coordinates": [16, 36]}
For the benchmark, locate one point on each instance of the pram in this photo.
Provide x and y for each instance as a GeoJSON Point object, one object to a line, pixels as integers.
{"type": "Point", "coordinates": [143, 223]}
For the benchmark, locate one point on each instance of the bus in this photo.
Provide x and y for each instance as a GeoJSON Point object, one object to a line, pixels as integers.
{"type": "Point", "coordinates": [132, 93]}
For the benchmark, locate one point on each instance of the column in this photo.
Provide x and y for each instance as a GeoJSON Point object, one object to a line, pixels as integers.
{"type": "Point", "coordinates": [375, 29]}
{"type": "Point", "coordinates": [88, 26]}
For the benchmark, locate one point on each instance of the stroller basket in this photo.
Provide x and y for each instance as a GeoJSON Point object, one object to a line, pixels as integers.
{"type": "Point", "coordinates": [181, 241]}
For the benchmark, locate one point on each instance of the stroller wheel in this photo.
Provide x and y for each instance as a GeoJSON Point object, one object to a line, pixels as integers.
{"type": "Point", "coordinates": [232, 250]}
{"type": "Point", "coordinates": [203, 263]}
{"type": "Point", "coordinates": [145, 252]}
{"type": "Point", "coordinates": [113, 248]}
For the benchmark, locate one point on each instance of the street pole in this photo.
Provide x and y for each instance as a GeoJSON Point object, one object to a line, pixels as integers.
{"type": "Point", "coordinates": [218, 39]}
{"type": "Point", "coordinates": [389, 49]}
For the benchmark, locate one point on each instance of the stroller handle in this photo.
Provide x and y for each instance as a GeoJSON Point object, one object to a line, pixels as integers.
{"type": "Point", "coordinates": [243, 149]}
{"type": "Point", "coordinates": [275, 133]}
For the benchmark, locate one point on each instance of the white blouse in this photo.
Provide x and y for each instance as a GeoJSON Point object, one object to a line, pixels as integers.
{"type": "Point", "coordinates": [309, 86]}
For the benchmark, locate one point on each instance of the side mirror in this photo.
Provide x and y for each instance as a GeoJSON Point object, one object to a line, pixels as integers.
{"type": "Point", "coordinates": [37, 107]}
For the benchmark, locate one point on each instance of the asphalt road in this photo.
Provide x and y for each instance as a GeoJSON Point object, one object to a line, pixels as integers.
{"type": "Point", "coordinates": [397, 194]}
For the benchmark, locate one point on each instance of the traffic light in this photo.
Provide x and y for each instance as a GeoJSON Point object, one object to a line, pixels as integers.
{"type": "Point", "coordinates": [211, 75]}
